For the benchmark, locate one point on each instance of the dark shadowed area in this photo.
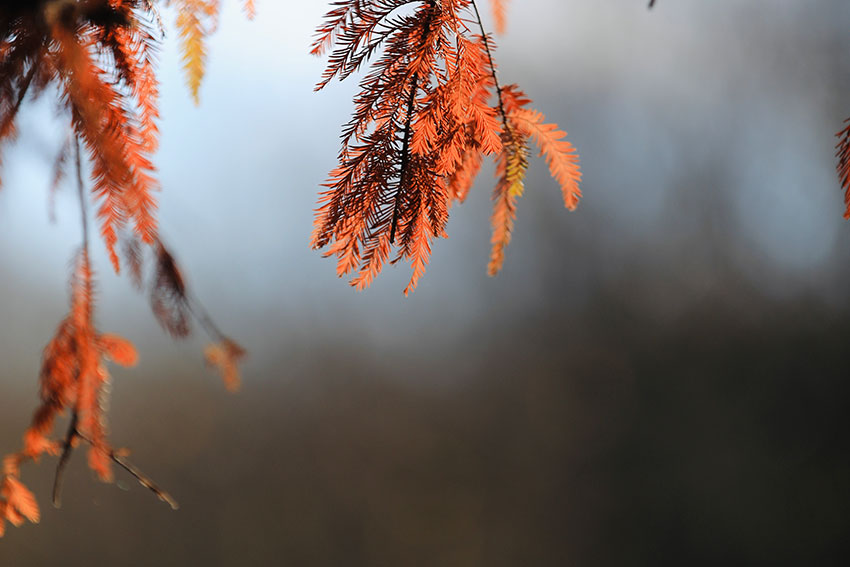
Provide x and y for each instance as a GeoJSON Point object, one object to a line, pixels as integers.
{"type": "Point", "coordinates": [659, 378]}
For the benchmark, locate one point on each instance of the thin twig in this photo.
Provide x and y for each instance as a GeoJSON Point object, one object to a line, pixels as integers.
{"type": "Point", "coordinates": [143, 479]}
{"type": "Point", "coordinates": [81, 194]}
{"type": "Point", "coordinates": [197, 309]}
{"type": "Point", "coordinates": [67, 449]}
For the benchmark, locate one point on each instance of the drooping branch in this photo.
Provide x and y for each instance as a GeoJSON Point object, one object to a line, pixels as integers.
{"type": "Point", "coordinates": [74, 432]}
{"type": "Point", "coordinates": [431, 89]}
{"type": "Point", "coordinates": [100, 57]}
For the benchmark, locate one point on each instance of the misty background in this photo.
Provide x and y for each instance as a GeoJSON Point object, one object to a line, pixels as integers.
{"type": "Point", "coordinates": [659, 378]}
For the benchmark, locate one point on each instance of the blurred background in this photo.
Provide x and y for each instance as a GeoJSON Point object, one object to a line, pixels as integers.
{"type": "Point", "coordinates": [659, 378]}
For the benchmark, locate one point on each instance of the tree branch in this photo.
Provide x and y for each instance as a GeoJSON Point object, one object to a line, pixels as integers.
{"type": "Point", "coordinates": [67, 449]}
{"type": "Point", "coordinates": [143, 479]}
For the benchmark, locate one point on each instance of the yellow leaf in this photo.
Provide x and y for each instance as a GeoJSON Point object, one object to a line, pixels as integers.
{"type": "Point", "coordinates": [561, 156]}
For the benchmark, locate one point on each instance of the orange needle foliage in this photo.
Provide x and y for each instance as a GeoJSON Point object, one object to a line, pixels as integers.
{"type": "Point", "coordinates": [99, 56]}
{"type": "Point", "coordinates": [73, 376]}
{"type": "Point", "coordinates": [429, 109]}
{"type": "Point", "coordinates": [499, 8]}
{"type": "Point", "coordinates": [112, 108]}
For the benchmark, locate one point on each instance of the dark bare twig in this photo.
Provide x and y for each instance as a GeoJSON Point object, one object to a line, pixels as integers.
{"type": "Point", "coordinates": [143, 479]}
{"type": "Point", "coordinates": [67, 449]}
{"type": "Point", "coordinates": [82, 196]}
